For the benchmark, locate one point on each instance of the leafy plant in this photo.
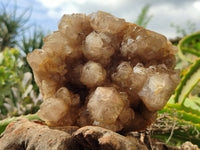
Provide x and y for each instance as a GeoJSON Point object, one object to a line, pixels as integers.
{"type": "Point", "coordinates": [8, 75]}
{"type": "Point", "coordinates": [33, 41]}
{"type": "Point", "coordinates": [12, 24]}
{"type": "Point", "coordinates": [182, 114]}
{"type": "Point", "coordinates": [189, 47]}
{"type": "Point", "coordinates": [6, 121]}
{"type": "Point", "coordinates": [17, 95]}
{"type": "Point", "coordinates": [143, 18]}
{"type": "Point", "coordinates": [189, 28]}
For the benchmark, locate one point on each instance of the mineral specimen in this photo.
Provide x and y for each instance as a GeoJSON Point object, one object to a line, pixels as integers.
{"type": "Point", "coordinates": [100, 70]}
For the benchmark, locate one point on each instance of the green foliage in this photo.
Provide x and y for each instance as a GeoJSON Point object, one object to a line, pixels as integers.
{"type": "Point", "coordinates": [188, 82]}
{"type": "Point", "coordinates": [189, 47]}
{"type": "Point", "coordinates": [9, 67]}
{"type": "Point", "coordinates": [183, 112]}
{"type": "Point", "coordinates": [35, 40]}
{"type": "Point", "coordinates": [143, 18]}
{"type": "Point", "coordinates": [186, 122]}
{"type": "Point", "coordinates": [12, 27]}
{"type": "Point", "coordinates": [189, 28]}
{"type": "Point", "coordinates": [12, 24]}
{"type": "Point", "coordinates": [17, 95]}
{"type": "Point", "coordinates": [5, 122]}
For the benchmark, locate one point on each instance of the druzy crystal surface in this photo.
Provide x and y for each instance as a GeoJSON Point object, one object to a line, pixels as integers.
{"type": "Point", "coordinates": [100, 70]}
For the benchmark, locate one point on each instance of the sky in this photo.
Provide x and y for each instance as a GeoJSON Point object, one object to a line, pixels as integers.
{"type": "Point", "coordinates": [47, 13]}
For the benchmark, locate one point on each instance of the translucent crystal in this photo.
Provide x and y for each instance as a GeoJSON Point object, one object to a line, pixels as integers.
{"type": "Point", "coordinates": [105, 104]}
{"type": "Point", "coordinates": [156, 91]}
{"type": "Point", "coordinates": [98, 47]}
{"type": "Point", "coordinates": [48, 88]}
{"type": "Point", "coordinates": [144, 44]}
{"type": "Point", "coordinates": [64, 94]}
{"type": "Point", "coordinates": [55, 42]}
{"type": "Point", "coordinates": [75, 27]}
{"type": "Point", "coordinates": [122, 76]}
{"type": "Point", "coordinates": [105, 22]}
{"type": "Point", "coordinates": [52, 109]}
{"type": "Point", "coordinates": [128, 77]}
{"type": "Point", "coordinates": [36, 58]}
{"type": "Point", "coordinates": [100, 70]}
{"type": "Point", "coordinates": [92, 74]}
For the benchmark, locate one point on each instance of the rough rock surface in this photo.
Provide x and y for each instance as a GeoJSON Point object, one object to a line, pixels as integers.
{"type": "Point", "coordinates": [100, 70]}
{"type": "Point", "coordinates": [26, 135]}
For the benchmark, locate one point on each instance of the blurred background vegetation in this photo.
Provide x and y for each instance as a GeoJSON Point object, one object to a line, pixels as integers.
{"type": "Point", "coordinates": [19, 94]}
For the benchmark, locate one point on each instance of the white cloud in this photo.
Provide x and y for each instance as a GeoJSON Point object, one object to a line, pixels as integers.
{"type": "Point", "coordinates": [53, 13]}
{"type": "Point", "coordinates": [80, 1]}
{"type": "Point", "coordinates": [164, 12]}
{"type": "Point", "coordinates": [69, 9]}
{"type": "Point", "coordinates": [196, 5]}
{"type": "Point", "coordinates": [111, 3]}
{"type": "Point", "coordinates": [58, 13]}
{"type": "Point", "coordinates": [51, 4]}
{"type": "Point", "coordinates": [59, 7]}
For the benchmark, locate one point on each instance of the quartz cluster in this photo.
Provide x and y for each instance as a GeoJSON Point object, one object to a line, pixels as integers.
{"type": "Point", "coordinates": [100, 70]}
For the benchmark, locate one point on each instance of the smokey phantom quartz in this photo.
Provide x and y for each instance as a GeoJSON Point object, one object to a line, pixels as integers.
{"type": "Point", "coordinates": [100, 70]}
